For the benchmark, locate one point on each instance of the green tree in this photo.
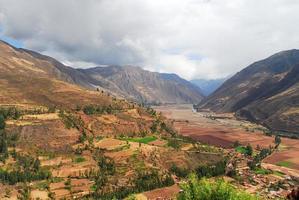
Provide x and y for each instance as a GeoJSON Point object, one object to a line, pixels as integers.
{"type": "Point", "coordinates": [2, 122]}
{"type": "Point", "coordinates": [249, 150]}
{"type": "Point", "coordinates": [277, 141]}
{"type": "Point", "coordinates": [203, 189]}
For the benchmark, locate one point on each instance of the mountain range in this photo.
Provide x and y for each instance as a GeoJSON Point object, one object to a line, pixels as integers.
{"type": "Point", "coordinates": [129, 82]}
{"type": "Point", "coordinates": [266, 92]}
{"type": "Point", "coordinates": [208, 86]}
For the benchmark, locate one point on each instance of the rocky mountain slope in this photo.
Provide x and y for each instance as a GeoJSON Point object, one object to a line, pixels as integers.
{"type": "Point", "coordinates": [144, 86]}
{"type": "Point", "coordinates": [266, 91]}
{"type": "Point", "coordinates": [128, 81]}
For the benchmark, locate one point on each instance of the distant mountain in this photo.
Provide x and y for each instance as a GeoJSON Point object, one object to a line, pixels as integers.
{"type": "Point", "coordinates": [208, 86]}
{"type": "Point", "coordinates": [127, 81]}
{"type": "Point", "coordinates": [144, 86]}
{"type": "Point", "coordinates": [266, 92]}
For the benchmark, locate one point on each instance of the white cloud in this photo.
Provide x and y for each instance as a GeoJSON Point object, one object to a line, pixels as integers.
{"type": "Point", "coordinates": [224, 35]}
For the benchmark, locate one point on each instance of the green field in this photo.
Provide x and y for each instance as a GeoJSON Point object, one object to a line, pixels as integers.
{"type": "Point", "coordinates": [284, 164]}
{"type": "Point", "coordinates": [144, 140]}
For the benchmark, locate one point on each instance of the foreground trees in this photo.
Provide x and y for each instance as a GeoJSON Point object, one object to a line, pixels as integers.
{"type": "Point", "coordinates": [203, 189]}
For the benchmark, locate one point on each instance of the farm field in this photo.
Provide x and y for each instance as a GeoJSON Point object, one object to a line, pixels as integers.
{"type": "Point", "coordinates": [223, 130]}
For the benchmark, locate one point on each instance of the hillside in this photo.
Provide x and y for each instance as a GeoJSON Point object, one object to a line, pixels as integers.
{"type": "Point", "coordinates": [266, 92]}
{"type": "Point", "coordinates": [144, 86]}
{"type": "Point", "coordinates": [60, 140]}
{"type": "Point", "coordinates": [30, 78]}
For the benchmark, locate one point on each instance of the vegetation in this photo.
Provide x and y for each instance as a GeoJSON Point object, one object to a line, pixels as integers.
{"type": "Point", "coordinates": [180, 172]}
{"type": "Point", "coordinates": [256, 162]}
{"type": "Point", "coordinates": [28, 169]}
{"type": "Point", "coordinates": [174, 143]}
{"type": "Point", "coordinates": [79, 159]}
{"type": "Point", "coordinates": [144, 140]}
{"type": "Point", "coordinates": [262, 171]}
{"type": "Point", "coordinates": [168, 129]}
{"type": "Point", "coordinates": [284, 164]}
{"type": "Point", "coordinates": [149, 180]}
{"type": "Point", "coordinates": [211, 170]}
{"type": "Point", "coordinates": [97, 109]}
{"type": "Point", "coordinates": [144, 181]}
{"type": "Point", "coordinates": [70, 120]}
{"type": "Point", "coordinates": [2, 122]}
{"type": "Point", "coordinates": [245, 150]}
{"type": "Point", "coordinates": [277, 141]}
{"type": "Point", "coordinates": [277, 173]}
{"type": "Point", "coordinates": [106, 165]}
{"type": "Point", "coordinates": [203, 189]}
{"type": "Point", "coordinates": [10, 113]}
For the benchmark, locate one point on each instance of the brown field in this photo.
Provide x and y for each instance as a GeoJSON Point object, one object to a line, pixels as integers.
{"type": "Point", "coordinates": [224, 130]}
{"type": "Point", "coordinates": [109, 143]}
{"type": "Point", "coordinates": [162, 193]}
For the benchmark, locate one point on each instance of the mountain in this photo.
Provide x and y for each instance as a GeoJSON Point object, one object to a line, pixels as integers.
{"type": "Point", "coordinates": [27, 77]}
{"type": "Point", "coordinates": [144, 86]}
{"type": "Point", "coordinates": [125, 81]}
{"type": "Point", "coordinates": [208, 86]}
{"type": "Point", "coordinates": [267, 92]}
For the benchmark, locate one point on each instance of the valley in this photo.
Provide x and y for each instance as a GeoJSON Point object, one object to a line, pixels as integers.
{"type": "Point", "coordinates": [223, 130]}
{"type": "Point", "coordinates": [149, 100]}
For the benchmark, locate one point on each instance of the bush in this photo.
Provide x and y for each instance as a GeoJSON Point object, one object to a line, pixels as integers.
{"type": "Point", "coordinates": [180, 172]}
{"type": "Point", "coordinates": [203, 189]}
{"type": "Point", "coordinates": [10, 113]}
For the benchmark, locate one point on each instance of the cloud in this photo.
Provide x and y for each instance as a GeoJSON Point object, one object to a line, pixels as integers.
{"type": "Point", "coordinates": [194, 38]}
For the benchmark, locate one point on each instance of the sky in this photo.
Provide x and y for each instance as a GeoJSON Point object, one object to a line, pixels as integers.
{"type": "Point", "coordinates": [192, 38]}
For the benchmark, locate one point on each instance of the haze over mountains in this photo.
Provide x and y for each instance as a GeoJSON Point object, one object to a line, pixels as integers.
{"type": "Point", "coordinates": [126, 81]}
{"type": "Point", "coordinates": [208, 86]}
{"type": "Point", "coordinates": [267, 92]}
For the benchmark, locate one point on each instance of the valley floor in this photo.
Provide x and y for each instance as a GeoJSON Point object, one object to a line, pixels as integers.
{"type": "Point", "coordinates": [224, 129]}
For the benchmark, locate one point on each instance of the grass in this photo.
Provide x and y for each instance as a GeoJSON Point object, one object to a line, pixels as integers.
{"type": "Point", "coordinates": [262, 171]}
{"type": "Point", "coordinates": [79, 159]}
{"type": "Point", "coordinates": [277, 173]}
{"type": "Point", "coordinates": [144, 140]}
{"type": "Point", "coordinates": [284, 164]}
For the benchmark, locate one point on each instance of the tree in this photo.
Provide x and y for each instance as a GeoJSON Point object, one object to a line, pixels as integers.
{"type": "Point", "coordinates": [277, 141]}
{"type": "Point", "coordinates": [249, 150]}
{"type": "Point", "coordinates": [2, 122]}
{"type": "Point", "coordinates": [36, 164]}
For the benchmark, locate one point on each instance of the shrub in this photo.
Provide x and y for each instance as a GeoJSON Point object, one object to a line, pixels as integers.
{"type": "Point", "coordinates": [180, 172]}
